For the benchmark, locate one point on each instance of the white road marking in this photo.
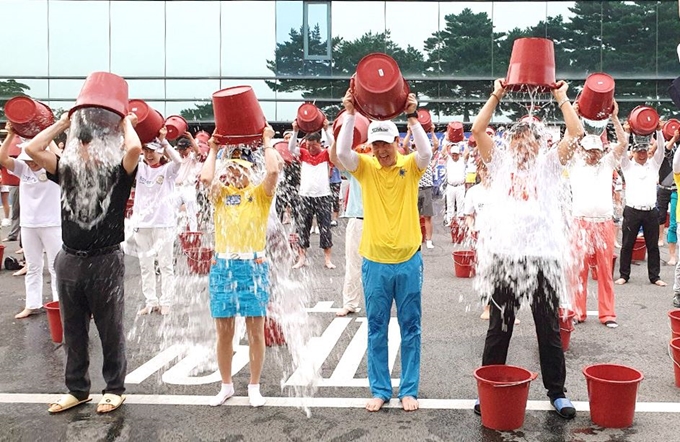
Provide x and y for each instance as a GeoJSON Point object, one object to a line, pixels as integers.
{"type": "Point", "coordinates": [322, 307]}
{"type": "Point", "coordinates": [153, 365]}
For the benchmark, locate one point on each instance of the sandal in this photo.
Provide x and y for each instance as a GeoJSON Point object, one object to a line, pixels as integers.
{"type": "Point", "coordinates": [66, 402]}
{"type": "Point", "coordinates": [112, 400]}
{"type": "Point", "coordinates": [564, 408]}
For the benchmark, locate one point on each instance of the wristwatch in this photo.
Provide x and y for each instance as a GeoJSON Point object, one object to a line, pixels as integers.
{"type": "Point", "coordinates": [412, 114]}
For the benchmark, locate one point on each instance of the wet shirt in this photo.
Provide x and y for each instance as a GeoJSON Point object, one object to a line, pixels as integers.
{"type": "Point", "coordinates": [79, 231]}
{"type": "Point", "coordinates": [241, 219]}
{"type": "Point", "coordinates": [591, 187]}
{"type": "Point", "coordinates": [476, 198]}
{"type": "Point", "coordinates": [39, 197]}
{"type": "Point", "coordinates": [391, 232]}
{"type": "Point", "coordinates": [154, 190]}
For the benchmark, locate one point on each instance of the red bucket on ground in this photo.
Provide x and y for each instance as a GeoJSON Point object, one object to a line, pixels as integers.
{"type": "Point", "coordinates": [643, 120]}
{"type": "Point", "coordinates": [612, 393]}
{"type": "Point", "coordinates": [675, 347]}
{"type": "Point", "coordinates": [176, 125]}
{"type": "Point", "coordinates": [199, 260]}
{"type": "Point", "coordinates": [532, 64]}
{"type": "Point", "coordinates": [149, 120]}
{"type": "Point", "coordinates": [464, 263]}
{"type": "Point", "coordinates": [310, 118]}
{"type": "Point", "coordinates": [238, 116]}
{"type": "Point", "coordinates": [273, 333]}
{"type": "Point", "coordinates": [639, 250]}
{"type": "Point", "coordinates": [503, 391]}
{"type": "Point", "coordinates": [190, 240]}
{"type": "Point", "coordinates": [54, 321]}
{"type": "Point", "coordinates": [380, 91]}
{"type": "Point", "coordinates": [360, 128]}
{"type": "Point", "coordinates": [425, 119]}
{"type": "Point", "coordinates": [566, 319]}
{"type": "Point", "coordinates": [104, 90]}
{"type": "Point", "coordinates": [675, 320]}
{"type": "Point", "coordinates": [2, 254]}
{"type": "Point", "coordinates": [28, 116]}
{"type": "Point", "coordinates": [596, 100]}
{"type": "Point", "coordinates": [457, 232]}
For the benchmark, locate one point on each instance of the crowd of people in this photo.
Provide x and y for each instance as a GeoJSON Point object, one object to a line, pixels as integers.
{"type": "Point", "coordinates": [505, 186]}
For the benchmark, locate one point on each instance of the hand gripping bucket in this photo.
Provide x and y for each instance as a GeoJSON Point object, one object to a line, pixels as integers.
{"type": "Point", "coordinates": [455, 131]}
{"type": "Point", "coordinates": [464, 263]}
{"type": "Point", "coordinates": [238, 116]}
{"type": "Point", "coordinates": [149, 120]}
{"type": "Point", "coordinates": [639, 250]}
{"type": "Point", "coordinates": [199, 260]}
{"type": "Point", "coordinates": [643, 120]}
{"type": "Point", "coordinates": [360, 128]}
{"type": "Point", "coordinates": [104, 90]}
{"type": "Point", "coordinates": [176, 125]}
{"type": "Point", "coordinates": [532, 65]}
{"type": "Point", "coordinates": [612, 393]}
{"type": "Point", "coordinates": [503, 391]}
{"type": "Point", "coordinates": [596, 100]}
{"type": "Point", "coordinates": [566, 320]}
{"type": "Point", "coordinates": [309, 118]}
{"type": "Point", "coordinates": [425, 119]}
{"type": "Point", "coordinates": [380, 91]}
{"type": "Point", "coordinates": [669, 128]}
{"type": "Point", "coordinates": [54, 321]}
{"type": "Point", "coordinates": [28, 117]}
{"type": "Point", "coordinates": [675, 355]}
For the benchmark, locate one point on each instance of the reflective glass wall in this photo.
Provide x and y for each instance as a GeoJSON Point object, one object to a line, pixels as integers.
{"type": "Point", "coordinates": [175, 54]}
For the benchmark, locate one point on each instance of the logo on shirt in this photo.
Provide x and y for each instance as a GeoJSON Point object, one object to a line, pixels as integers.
{"type": "Point", "coordinates": [402, 172]}
{"type": "Point", "coordinates": [159, 179]}
{"type": "Point", "coordinates": [232, 200]}
{"type": "Point", "coordinates": [42, 177]}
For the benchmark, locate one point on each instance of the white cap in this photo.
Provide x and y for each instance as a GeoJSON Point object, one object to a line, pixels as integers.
{"type": "Point", "coordinates": [592, 142]}
{"type": "Point", "coordinates": [155, 145]}
{"type": "Point", "coordinates": [382, 131]}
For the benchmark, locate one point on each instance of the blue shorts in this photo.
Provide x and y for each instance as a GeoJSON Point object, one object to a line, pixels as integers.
{"type": "Point", "coordinates": [239, 287]}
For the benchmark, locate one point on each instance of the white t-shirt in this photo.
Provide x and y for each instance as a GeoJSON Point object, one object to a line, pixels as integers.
{"type": "Point", "coordinates": [476, 198]}
{"type": "Point", "coordinates": [591, 187]}
{"type": "Point", "coordinates": [455, 171]}
{"type": "Point", "coordinates": [188, 171]}
{"type": "Point", "coordinates": [40, 198]}
{"type": "Point", "coordinates": [641, 179]}
{"type": "Point", "coordinates": [154, 190]}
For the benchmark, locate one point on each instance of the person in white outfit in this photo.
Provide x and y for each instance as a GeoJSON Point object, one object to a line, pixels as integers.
{"type": "Point", "coordinates": [187, 177]}
{"type": "Point", "coordinates": [40, 222]}
{"type": "Point", "coordinates": [154, 217]}
{"type": "Point", "coordinates": [455, 180]}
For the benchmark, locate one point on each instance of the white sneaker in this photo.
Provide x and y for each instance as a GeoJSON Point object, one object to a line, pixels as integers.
{"type": "Point", "coordinates": [6, 222]}
{"type": "Point", "coordinates": [429, 244]}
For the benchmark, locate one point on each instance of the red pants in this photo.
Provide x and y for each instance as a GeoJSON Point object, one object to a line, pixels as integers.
{"type": "Point", "coordinates": [594, 245]}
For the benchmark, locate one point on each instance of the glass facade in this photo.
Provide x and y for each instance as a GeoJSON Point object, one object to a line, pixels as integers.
{"type": "Point", "coordinates": [175, 54]}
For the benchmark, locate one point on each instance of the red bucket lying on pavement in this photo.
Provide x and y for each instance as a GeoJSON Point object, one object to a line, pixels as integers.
{"type": "Point", "coordinates": [675, 347]}
{"type": "Point", "coordinates": [566, 318]}
{"type": "Point", "coordinates": [273, 334]}
{"type": "Point", "coordinates": [190, 240]}
{"type": "Point", "coordinates": [54, 321]}
{"type": "Point", "coordinates": [464, 263]}
{"type": "Point", "coordinates": [639, 250]}
{"type": "Point", "coordinates": [612, 393]}
{"type": "Point", "coordinates": [503, 391]}
{"type": "Point", "coordinates": [2, 254]}
{"type": "Point", "coordinates": [199, 260]}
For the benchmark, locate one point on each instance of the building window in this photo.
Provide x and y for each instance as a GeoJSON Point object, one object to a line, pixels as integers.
{"type": "Point", "coordinates": [317, 30]}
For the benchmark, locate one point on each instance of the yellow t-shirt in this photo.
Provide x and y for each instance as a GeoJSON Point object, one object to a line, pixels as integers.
{"type": "Point", "coordinates": [241, 219]}
{"type": "Point", "coordinates": [391, 221]}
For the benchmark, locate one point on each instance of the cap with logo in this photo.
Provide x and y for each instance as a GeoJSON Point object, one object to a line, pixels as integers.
{"type": "Point", "coordinates": [385, 131]}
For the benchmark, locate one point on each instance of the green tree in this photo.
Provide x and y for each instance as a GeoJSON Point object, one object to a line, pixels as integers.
{"type": "Point", "coordinates": [200, 112]}
{"type": "Point", "coordinates": [8, 89]}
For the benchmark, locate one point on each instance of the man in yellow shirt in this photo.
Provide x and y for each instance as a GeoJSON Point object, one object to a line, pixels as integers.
{"type": "Point", "coordinates": [392, 267]}
{"type": "Point", "coordinates": [239, 276]}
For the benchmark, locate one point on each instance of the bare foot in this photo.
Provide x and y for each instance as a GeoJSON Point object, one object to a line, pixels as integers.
{"type": "Point", "coordinates": [25, 313]}
{"type": "Point", "coordinates": [409, 403]}
{"type": "Point", "coordinates": [21, 272]}
{"type": "Point", "coordinates": [620, 281]}
{"type": "Point", "coordinates": [343, 312]}
{"type": "Point", "coordinates": [374, 404]}
{"type": "Point", "coordinates": [299, 264]}
{"type": "Point", "coordinates": [485, 314]}
{"type": "Point", "coordinates": [660, 283]}
{"type": "Point", "coordinates": [329, 265]}
{"type": "Point", "coordinates": [671, 263]}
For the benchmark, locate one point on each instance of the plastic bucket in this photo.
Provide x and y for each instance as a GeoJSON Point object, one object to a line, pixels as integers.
{"type": "Point", "coordinates": [639, 250]}
{"type": "Point", "coordinates": [675, 320]}
{"type": "Point", "coordinates": [464, 263]}
{"type": "Point", "coordinates": [503, 391]}
{"type": "Point", "coordinates": [282, 148]}
{"type": "Point", "coordinates": [199, 260]}
{"type": "Point", "coordinates": [455, 131]}
{"type": "Point", "coordinates": [425, 119]}
{"type": "Point", "coordinates": [273, 334]}
{"type": "Point", "coordinates": [596, 100]}
{"type": "Point", "coordinates": [104, 90]}
{"type": "Point", "coordinates": [612, 393]}
{"type": "Point", "coordinates": [54, 321]}
{"type": "Point", "coordinates": [457, 233]}
{"type": "Point", "coordinates": [643, 120]}
{"type": "Point", "coordinates": [675, 354]}
{"type": "Point", "coordinates": [566, 319]}
{"type": "Point", "coordinates": [2, 254]}
{"type": "Point", "coordinates": [190, 240]}
{"type": "Point", "coordinates": [28, 116]}
{"type": "Point", "coordinates": [176, 125]}
{"type": "Point", "coordinates": [380, 91]}
{"type": "Point", "coordinates": [669, 129]}
{"type": "Point", "coordinates": [310, 118]}
{"type": "Point", "coordinates": [238, 116]}
{"type": "Point", "coordinates": [149, 120]}
{"type": "Point", "coordinates": [202, 137]}
{"type": "Point", "coordinates": [422, 229]}
{"type": "Point", "coordinates": [360, 128]}
{"type": "Point", "coordinates": [532, 64]}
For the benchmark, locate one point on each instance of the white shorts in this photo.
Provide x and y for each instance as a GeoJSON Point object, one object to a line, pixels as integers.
{"type": "Point", "coordinates": [4, 189]}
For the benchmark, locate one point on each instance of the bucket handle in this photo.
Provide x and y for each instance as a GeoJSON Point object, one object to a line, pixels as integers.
{"type": "Point", "coordinates": [514, 384]}
{"type": "Point", "coordinates": [462, 264]}
{"type": "Point", "coordinates": [670, 355]}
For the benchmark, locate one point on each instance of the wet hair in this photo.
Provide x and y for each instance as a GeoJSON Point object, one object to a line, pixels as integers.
{"type": "Point", "coordinates": [524, 127]}
{"type": "Point", "coordinates": [314, 136]}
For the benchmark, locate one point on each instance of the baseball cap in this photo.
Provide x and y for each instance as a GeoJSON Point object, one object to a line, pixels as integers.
{"type": "Point", "coordinates": [592, 142]}
{"type": "Point", "coordinates": [382, 131]}
{"type": "Point", "coordinates": [238, 162]}
{"type": "Point", "coordinates": [154, 145]}
{"type": "Point", "coordinates": [640, 146]}
{"type": "Point", "coordinates": [183, 143]}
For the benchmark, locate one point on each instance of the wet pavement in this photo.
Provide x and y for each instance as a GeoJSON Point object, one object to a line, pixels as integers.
{"type": "Point", "coordinates": [168, 388]}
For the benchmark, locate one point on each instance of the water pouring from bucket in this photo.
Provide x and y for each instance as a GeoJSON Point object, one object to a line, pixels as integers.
{"type": "Point", "coordinates": [532, 65]}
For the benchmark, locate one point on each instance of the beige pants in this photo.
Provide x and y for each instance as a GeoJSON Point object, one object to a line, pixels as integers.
{"type": "Point", "coordinates": [353, 289]}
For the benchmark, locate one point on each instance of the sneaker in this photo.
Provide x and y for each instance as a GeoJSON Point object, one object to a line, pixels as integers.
{"type": "Point", "coordinates": [429, 244]}
{"type": "Point", "coordinates": [334, 223]}
{"type": "Point", "coordinates": [477, 409]}
{"type": "Point", "coordinates": [6, 222]}
{"type": "Point", "coordinates": [564, 408]}
{"type": "Point", "coordinates": [611, 324]}
{"type": "Point", "coordinates": [676, 300]}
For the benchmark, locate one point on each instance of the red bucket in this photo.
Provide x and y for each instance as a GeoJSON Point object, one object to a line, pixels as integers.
{"type": "Point", "coordinates": [190, 240]}
{"type": "Point", "coordinates": [457, 232]}
{"type": "Point", "coordinates": [28, 117]}
{"type": "Point", "coordinates": [360, 128]}
{"type": "Point", "coordinates": [425, 119]}
{"type": "Point", "coordinates": [639, 250]}
{"type": "Point", "coordinates": [238, 116]}
{"type": "Point", "coordinates": [596, 100]}
{"type": "Point", "coordinates": [149, 120]}
{"type": "Point", "coordinates": [176, 125]}
{"type": "Point", "coordinates": [199, 260]}
{"type": "Point", "coordinates": [380, 91]}
{"type": "Point", "coordinates": [104, 90]}
{"type": "Point", "coordinates": [273, 333]}
{"type": "Point", "coordinates": [422, 229]}
{"type": "Point", "coordinates": [532, 64]}
{"type": "Point", "coordinates": [14, 151]}
{"type": "Point", "coordinates": [202, 138]}
{"type": "Point", "coordinates": [566, 319]}
{"type": "Point", "coordinates": [464, 263]}
{"type": "Point", "coordinates": [455, 131]}
{"type": "Point", "coordinates": [310, 118]}
{"type": "Point", "coordinates": [54, 321]}
{"type": "Point", "coordinates": [675, 320]}
{"type": "Point", "coordinates": [675, 347]}
{"type": "Point", "coordinates": [282, 148]}
{"type": "Point", "coordinates": [643, 120]}
{"type": "Point", "coordinates": [669, 128]}
{"type": "Point", "coordinates": [503, 392]}
{"type": "Point", "coordinates": [612, 393]}
{"type": "Point", "coordinates": [2, 254]}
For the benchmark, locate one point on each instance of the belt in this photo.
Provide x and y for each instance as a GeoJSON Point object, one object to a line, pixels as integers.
{"type": "Point", "coordinates": [90, 253]}
{"type": "Point", "coordinates": [594, 219]}
{"type": "Point", "coordinates": [455, 184]}
{"type": "Point", "coordinates": [240, 256]}
{"type": "Point", "coordinates": [359, 217]}
{"type": "Point", "coordinates": [643, 208]}
{"type": "Point", "coordinates": [673, 188]}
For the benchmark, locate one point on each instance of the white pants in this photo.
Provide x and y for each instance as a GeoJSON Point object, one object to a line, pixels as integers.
{"type": "Point", "coordinates": [156, 242]}
{"type": "Point", "coordinates": [34, 241]}
{"type": "Point", "coordinates": [353, 289]}
{"type": "Point", "coordinates": [455, 197]}
{"type": "Point", "coordinates": [187, 195]}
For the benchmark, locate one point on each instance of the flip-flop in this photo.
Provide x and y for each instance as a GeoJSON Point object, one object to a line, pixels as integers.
{"type": "Point", "coordinates": [66, 402]}
{"type": "Point", "coordinates": [110, 399]}
{"type": "Point", "coordinates": [564, 408]}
